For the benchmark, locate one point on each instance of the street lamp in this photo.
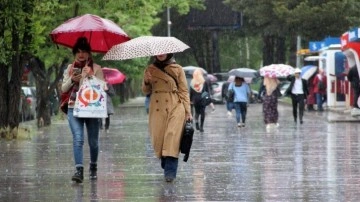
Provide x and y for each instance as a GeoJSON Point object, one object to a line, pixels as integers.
{"type": "Point", "coordinates": [168, 21]}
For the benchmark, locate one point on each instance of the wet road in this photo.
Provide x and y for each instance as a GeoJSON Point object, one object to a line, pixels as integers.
{"type": "Point", "coordinates": [316, 161]}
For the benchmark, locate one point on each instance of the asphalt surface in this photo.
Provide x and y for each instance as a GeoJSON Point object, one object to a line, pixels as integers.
{"type": "Point", "coordinates": [316, 161]}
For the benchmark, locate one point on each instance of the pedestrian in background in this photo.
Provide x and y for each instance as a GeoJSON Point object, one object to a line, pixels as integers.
{"type": "Point", "coordinates": [147, 102]}
{"type": "Point", "coordinates": [198, 85]}
{"type": "Point", "coordinates": [241, 98]}
{"type": "Point", "coordinates": [353, 77]}
{"type": "Point", "coordinates": [169, 108]}
{"type": "Point", "coordinates": [319, 84]}
{"type": "Point", "coordinates": [270, 102]}
{"type": "Point", "coordinates": [110, 92]}
{"type": "Point", "coordinates": [83, 61]}
{"type": "Point", "coordinates": [311, 98]}
{"type": "Point", "coordinates": [298, 91]}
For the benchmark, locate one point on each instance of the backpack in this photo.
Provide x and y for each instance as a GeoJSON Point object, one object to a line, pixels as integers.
{"type": "Point", "coordinates": [321, 85]}
{"type": "Point", "coordinates": [205, 98]}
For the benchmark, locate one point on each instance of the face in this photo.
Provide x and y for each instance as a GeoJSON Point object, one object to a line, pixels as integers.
{"type": "Point", "coordinates": [161, 57]}
{"type": "Point", "coordinates": [81, 55]}
{"type": "Point", "coordinates": [297, 75]}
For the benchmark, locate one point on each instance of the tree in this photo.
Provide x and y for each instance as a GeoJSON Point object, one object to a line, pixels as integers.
{"type": "Point", "coordinates": [24, 36]}
{"type": "Point", "coordinates": [278, 22]}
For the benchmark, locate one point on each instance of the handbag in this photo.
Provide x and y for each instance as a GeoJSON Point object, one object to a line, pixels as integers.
{"type": "Point", "coordinates": [186, 140]}
{"type": "Point", "coordinates": [205, 98]}
{"type": "Point", "coordinates": [91, 99]}
{"type": "Point", "coordinates": [230, 95]}
{"type": "Point", "coordinates": [64, 100]}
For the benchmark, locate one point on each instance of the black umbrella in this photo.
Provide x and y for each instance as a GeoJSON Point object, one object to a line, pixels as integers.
{"type": "Point", "coordinates": [244, 72]}
{"type": "Point", "coordinates": [186, 140]}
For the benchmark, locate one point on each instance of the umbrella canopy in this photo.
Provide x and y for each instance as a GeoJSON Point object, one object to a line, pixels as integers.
{"type": "Point", "coordinates": [244, 72]}
{"type": "Point", "coordinates": [101, 33]}
{"type": "Point", "coordinates": [276, 70]}
{"type": "Point", "coordinates": [232, 78]}
{"type": "Point", "coordinates": [113, 76]}
{"type": "Point", "coordinates": [145, 46]}
{"type": "Point", "coordinates": [189, 70]}
{"type": "Point", "coordinates": [308, 71]}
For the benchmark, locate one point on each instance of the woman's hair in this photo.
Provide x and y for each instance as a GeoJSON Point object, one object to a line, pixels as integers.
{"type": "Point", "coordinates": [198, 76]}
{"type": "Point", "coordinates": [81, 44]}
{"type": "Point", "coordinates": [270, 84]}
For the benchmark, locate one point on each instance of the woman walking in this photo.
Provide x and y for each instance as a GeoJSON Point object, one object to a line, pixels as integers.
{"type": "Point", "coordinates": [169, 108]}
{"type": "Point", "coordinates": [270, 102]}
{"type": "Point", "coordinates": [198, 85]}
{"type": "Point", "coordinates": [241, 97]}
{"type": "Point", "coordinates": [74, 75]}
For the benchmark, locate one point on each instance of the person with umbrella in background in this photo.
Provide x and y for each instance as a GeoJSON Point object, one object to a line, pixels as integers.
{"type": "Point", "coordinates": [168, 111]}
{"type": "Point", "coordinates": [270, 102]}
{"type": "Point", "coordinates": [241, 98]}
{"type": "Point", "coordinates": [319, 84]}
{"type": "Point", "coordinates": [198, 85]}
{"type": "Point", "coordinates": [82, 67]}
{"type": "Point", "coordinates": [110, 92]}
{"type": "Point", "coordinates": [298, 90]}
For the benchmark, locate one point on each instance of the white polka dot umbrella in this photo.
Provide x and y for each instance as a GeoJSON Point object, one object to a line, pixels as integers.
{"type": "Point", "coordinates": [145, 46]}
{"type": "Point", "coordinates": [276, 70]}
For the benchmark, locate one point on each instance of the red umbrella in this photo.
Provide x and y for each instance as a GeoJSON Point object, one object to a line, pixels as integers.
{"type": "Point", "coordinates": [113, 76]}
{"type": "Point", "coordinates": [101, 33]}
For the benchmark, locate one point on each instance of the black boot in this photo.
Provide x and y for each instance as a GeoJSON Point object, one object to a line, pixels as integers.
{"type": "Point", "coordinates": [92, 171]}
{"type": "Point", "coordinates": [201, 128]}
{"type": "Point", "coordinates": [197, 126]}
{"type": "Point", "coordinates": [78, 177]}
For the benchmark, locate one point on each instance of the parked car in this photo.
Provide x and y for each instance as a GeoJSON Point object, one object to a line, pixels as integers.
{"type": "Point", "coordinates": [284, 86]}
{"type": "Point", "coordinates": [30, 94]}
{"type": "Point", "coordinates": [217, 88]}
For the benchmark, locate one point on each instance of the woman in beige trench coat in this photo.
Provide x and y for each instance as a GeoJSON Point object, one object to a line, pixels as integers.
{"type": "Point", "coordinates": [168, 110]}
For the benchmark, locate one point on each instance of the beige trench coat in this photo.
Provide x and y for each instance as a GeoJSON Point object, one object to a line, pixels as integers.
{"type": "Point", "coordinates": [168, 107]}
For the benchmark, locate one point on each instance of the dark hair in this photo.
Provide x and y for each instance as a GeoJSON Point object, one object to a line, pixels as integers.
{"type": "Point", "coordinates": [81, 44]}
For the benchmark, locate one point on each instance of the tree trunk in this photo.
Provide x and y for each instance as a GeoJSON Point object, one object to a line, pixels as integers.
{"type": "Point", "coordinates": [280, 51]}
{"type": "Point", "coordinates": [268, 50]}
{"type": "Point", "coordinates": [15, 82]}
{"type": "Point", "coordinates": [4, 72]}
{"type": "Point", "coordinates": [45, 88]}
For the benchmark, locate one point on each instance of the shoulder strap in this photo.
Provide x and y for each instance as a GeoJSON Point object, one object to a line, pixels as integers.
{"type": "Point", "coordinates": [170, 76]}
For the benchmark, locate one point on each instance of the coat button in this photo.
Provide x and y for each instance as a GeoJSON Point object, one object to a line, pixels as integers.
{"type": "Point", "coordinates": [166, 82]}
{"type": "Point", "coordinates": [166, 100]}
{"type": "Point", "coordinates": [155, 81]}
{"type": "Point", "coordinates": [157, 100]}
{"type": "Point", "coordinates": [179, 101]}
{"type": "Point", "coordinates": [157, 109]}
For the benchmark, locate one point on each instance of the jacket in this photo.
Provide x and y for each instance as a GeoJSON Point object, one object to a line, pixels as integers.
{"type": "Point", "coordinates": [168, 106]}
{"type": "Point", "coordinates": [292, 81]}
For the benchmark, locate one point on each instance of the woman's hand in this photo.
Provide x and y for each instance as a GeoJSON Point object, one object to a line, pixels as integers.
{"type": "Point", "coordinates": [75, 77]}
{"type": "Point", "coordinates": [88, 71]}
{"type": "Point", "coordinates": [189, 117]}
{"type": "Point", "coordinates": [147, 77]}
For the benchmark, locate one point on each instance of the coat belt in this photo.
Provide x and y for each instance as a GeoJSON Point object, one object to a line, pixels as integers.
{"type": "Point", "coordinates": [165, 91]}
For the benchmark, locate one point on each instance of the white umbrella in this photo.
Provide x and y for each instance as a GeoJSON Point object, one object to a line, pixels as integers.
{"type": "Point", "coordinates": [308, 71]}
{"type": "Point", "coordinates": [145, 46]}
{"type": "Point", "coordinates": [244, 72]}
{"type": "Point", "coordinates": [276, 70]}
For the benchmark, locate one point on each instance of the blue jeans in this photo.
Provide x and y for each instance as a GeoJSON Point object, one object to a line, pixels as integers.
{"type": "Point", "coordinates": [77, 130]}
{"type": "Point", "coordinates": [240, 109]}
{"type": "Point", "coordinates": [170, 165]}
{"type": "Point", "coordinates": [229, 106]}
{"type": "Point", "coordinates": [319, 101]}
